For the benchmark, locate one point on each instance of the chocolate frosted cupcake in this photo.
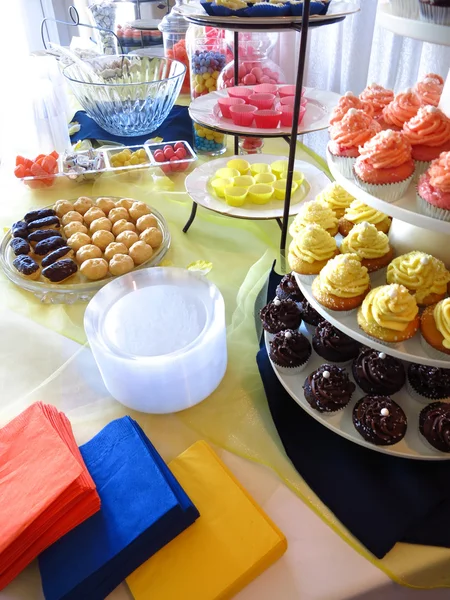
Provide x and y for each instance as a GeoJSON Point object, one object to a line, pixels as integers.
{"type": "Point", "coordinates": [328, 389]}
{"type": "Point", "coordinates": [290, 351]}
{"type": "Point", "coordinates": [309, 315]}
{"type": "Point", "coordinates": [279, 315]}
{"type": "Point", "coordinates": [289, 290]}
{"type": "Point", "coordinates": [434, 425]}
{"type": "Point", "coordinates": [379, 420]}
{"type": "Point", "coordinates": [426, 384]}
{"type": "Point", "coordinates": [378, 373]}
{"type": "Point", "coordinates": [334, 345]}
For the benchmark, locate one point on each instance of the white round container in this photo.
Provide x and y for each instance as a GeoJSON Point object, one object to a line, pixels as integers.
{"type": "Point", "coordinates": [158, 337]}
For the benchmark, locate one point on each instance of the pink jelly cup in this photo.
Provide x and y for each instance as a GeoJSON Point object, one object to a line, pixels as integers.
{"type": "Point", "coordinates": [287, 113]}
{"type": "Point", "coordinates": [225, 103]}
{"type": "Point", "coordinates": [267, 119]}
{"type": "Point", "coordinates": [288, 90]}
{"type": "Point", "coordinates": [262, 101]}
{"type": "Point", "coordinates": [243, 114]}
{"type": "Point", "coordinates": [240, 92]}
{"type": "Point", "coordinates": [265, 88]}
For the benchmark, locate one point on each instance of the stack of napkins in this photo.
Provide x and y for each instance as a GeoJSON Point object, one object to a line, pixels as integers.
{"type": "Point", "coordinates": [232, 542]}
{"type": "Point", "coordinates": [45, 489]}
{"type": "Point", "coordinates": [143, 508]}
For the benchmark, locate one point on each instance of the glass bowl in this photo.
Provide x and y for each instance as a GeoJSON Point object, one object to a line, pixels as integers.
{"type": "Point", "coordinates": [77, 288]}
{"type": "Point", "coordinates": [127, 95]}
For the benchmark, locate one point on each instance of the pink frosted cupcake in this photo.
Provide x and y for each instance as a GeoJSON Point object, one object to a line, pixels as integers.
{"type": "Point", "coordinates": [347, 135]}
{"type": "Point", "coordinates": [429, 135]}
{"type": "Point", "coordinates": [402, 108]}
{"type": "Point", "coordinates": [378, 97]}
{"type": "Point", "coordinates": [385, 167]}
{"type": "Point", "coordinates": [430, 89]}
{"type": "Point", "coordinates": [346, 102]}
{"type": "Point", "coordinates": [433, 191]}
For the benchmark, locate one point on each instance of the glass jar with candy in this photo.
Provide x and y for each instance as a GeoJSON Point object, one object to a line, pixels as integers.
{"type": "Point", "coordinates": [208, 141]}
{"type": "Point", "coordinates": [174, 28]}
{"type": "Point", "coordinates": [207, 57]}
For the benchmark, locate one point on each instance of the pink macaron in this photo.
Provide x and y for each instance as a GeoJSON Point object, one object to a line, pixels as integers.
{"type": "Point", "coordinates": [243, 114]}
{"type": "Point", "coordinates": [226, 103]}
{"type": "Point", "coordinates": [267, 119]}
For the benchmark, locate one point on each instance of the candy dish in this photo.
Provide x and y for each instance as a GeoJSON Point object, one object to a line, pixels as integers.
{"type": "Point", "coordinates": [77, 288]}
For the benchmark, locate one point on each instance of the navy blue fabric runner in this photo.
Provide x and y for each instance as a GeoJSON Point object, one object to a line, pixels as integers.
{"type": "Point", "coordinates": [381, 499]}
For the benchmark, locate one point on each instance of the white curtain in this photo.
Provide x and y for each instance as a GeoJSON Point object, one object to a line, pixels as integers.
{"type": "Point", "coordinates": [349, 55]}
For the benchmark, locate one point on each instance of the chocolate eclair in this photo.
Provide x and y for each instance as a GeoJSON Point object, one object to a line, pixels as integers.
{"type": "Point", "coordinates": [48, 245]}
{"type": "Point", "coordinates": [58, 254]}
{"type": "Point", "coordinates": [378, 373]}
{"type": "Point", "coordinates": [45, 223]}
{"type": "Point", "coordinates": [19, 229]}
{"type": "Point", "coordinates": [379, 420]}
{"type": "Point", "coordinates": [279, 315]}
{"type": "Point", "coordinates": [27, 267]}
{"type": "Point", "coordinates": [60, 270]}
{"type": "Point", "coordinates": [40, 213]}
{"type": "Point", "coordinates": [42, 234]}
{"type": "Point", "coordinates": [20, 246]}
{"type": "Point", "coordinates": [434, 425]}
{"type": "Point", "coordinates": [328, 389]}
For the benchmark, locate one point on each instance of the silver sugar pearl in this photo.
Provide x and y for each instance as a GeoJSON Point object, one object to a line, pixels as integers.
{"type": "Point", "coordinates": [326, 374]}
{"type": "Point", "coordinates": [384, 412]}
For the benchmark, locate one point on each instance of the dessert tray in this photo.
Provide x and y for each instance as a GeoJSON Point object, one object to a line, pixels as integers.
{"type": "Point", "coordinates": [411, 446]}
{"type": "Point", "coordinates": [410, 350]}
{"type": "Point", "coordinates": [205, 110]}
{"type": "Point", "coordinates": [76, 288]}
{"type": "Point", "coordinates": [199, 189]}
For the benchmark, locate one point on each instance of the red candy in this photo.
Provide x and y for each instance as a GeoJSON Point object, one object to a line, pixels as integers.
{"type": "Point", "coordinates": [169, 153]}
{"type": "Point", "coordinates": [179, 145]}
{"type": "Point", "coordinates": [43, 168]}
{"type": "Point", "coordinates": [180, 153]}
{"type": "Point", "coordinates": [171, 156]}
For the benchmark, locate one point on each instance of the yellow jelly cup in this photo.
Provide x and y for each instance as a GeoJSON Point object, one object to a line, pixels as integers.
{"type": "Point", "coordinates": [235, 196]}
{"type": "Point", "coordinates": [244, 181]}
{"type": "Point", "coordinates": [258, 168]}
{"type": "Point", "coordinates": [240, 164]}
{"type": "Point", "coordinates": [265, 178]}
{"type": "Point", "coordinates": [297, 176]}
{"type": "Point", "coordinates": [226, 173]}
{"type": "Point", "coordinates": [218, 185]}
{"type": "Point", "coordinates": [279, 167]}
{"type": "Point", "coordinates": [280, 188]}
{"type": "Point", "coordinates": [260, 193]}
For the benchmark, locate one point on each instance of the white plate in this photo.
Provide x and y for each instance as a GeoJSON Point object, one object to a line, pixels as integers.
{"type": "Point", "coordinates": [404, 209]}
{"type": "Point", "coordinates": [410, 350]}
{"type": "Point", "coordinates": [413, 28]}
{"type": "Point", "coordinates": [198, 189]}
{"type": "Point", "coordinates": [411, 446]}
{"type": "Point", "coordinates": [206, 111]}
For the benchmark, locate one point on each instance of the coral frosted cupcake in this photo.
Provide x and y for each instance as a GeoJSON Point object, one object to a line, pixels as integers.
{"type": "Point", "coordinates": [426, 383]}
{"type": "Point", "coordinates": [290, 351]}
{"type": "Point", "coordinates": [347, 135]}
{"type": "Point", "coordinates": [434, 425]}
{"type": "Point", "coordinates": [288, 289]}
{"type": "Point", "coordinates": [422, 274]}
{"type": "Point", "coordinates": [328, 389]}
{"type": "Point", "coordinates": [279, 315]}
{"type": "Point", "coordinates": [435, 328]}
{"type": "Point", "coordinates": [389, 313]}
{"type": "Point", "coordinates": [336, 198]}
{"type": "Point", "coordinates": [342, 284]}
{"type": "Point", "coordinates": [429, 135]}
{"type": "Point", "coordinates": [433, 189]}
{"type": "Point", "coordinates": [429, 89]}
{"type": "Point", "coordinates": [379, 420]}
{"type": "Point", "coordinates": [370, 245]}
{"type": "Point", "coordinates": [402, 108]}
{"type": "Point", "coordinates": [310, 251]}
{"type": "Point", "coordinates": [378, 373]}
{"type": "Point", "coordinates": [358, 212]}
{"type": "Point", "coordinates": [334, 345]}
{"type": "Point", "coordinates": [385, 167]}
{"type": "Point", "coordinates": [346, 102]}
{"type": "Point", "coordinates": [378, 97]}
{"type": "Point", "coordinates": [312, 213]}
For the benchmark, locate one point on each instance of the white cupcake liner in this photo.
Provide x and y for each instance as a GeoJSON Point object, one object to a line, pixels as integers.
{"type": "Point", "coordinates": [421, 166]}
{"type": "Point", "coordinates": [435, 14]}
{"type": "Point", "coordinates": [344, 164]}
{"type": "Point", "coordinates": [430, 210]}
{"type": "Point", "coordinates": [291, 370]}
{"type": "Point", "coordinates": [306, 278]}
{"type": "Point", "coordinates": [416, 396]}
{"type": "Point", "coordinates": [389, 192]}
{"type": "Point", "coordinates": [409, 9]}
{"type": "Point", "coordinates": [432, 352]}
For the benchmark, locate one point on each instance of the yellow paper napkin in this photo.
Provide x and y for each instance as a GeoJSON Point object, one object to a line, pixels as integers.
{"type": "Point", "coordinates": [231, 543]}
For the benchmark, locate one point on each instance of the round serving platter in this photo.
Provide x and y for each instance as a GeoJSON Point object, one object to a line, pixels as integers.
{"type": "Point", "coordinates": [199, 189]}
{"type": "Point", "coordinates": [205, 111]}
{"type": "Point", "coordinates": [412, 446]}
{"type": "Point", "coordinates": [412, 28]}
{"type": "Point", "coordinates": [77, 288]}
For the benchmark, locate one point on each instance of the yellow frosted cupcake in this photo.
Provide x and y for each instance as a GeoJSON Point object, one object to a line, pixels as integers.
{"type": "Point", "coordinates": [389, 313]}
{"type": "Point", "coordinates": [342, 284]}
{"type": "Point", "coordinates": [435, 328]}
{"type": "Point", "coordinates": [314, 212]}
{"type": "Point", "coordinates": [370, 245]}
{"type": "Point", "coordinates": [310, 251]}
{"type": "Point", "coordinates": [336, 198]}
{"type": "Point", "coordinates": [422, 274]}
{"type": "Point", "coordinates": [358, 212]}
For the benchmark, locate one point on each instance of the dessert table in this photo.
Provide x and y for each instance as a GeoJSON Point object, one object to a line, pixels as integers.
{"type": "Point", "coordinates": [44, 357]}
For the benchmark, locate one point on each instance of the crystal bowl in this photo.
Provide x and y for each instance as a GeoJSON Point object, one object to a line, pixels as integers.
{"type": "Point", "coordinates": [127, 95]}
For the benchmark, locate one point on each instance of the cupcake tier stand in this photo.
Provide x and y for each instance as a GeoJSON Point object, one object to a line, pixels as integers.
{"type": "Point", "coordinates": [337, 12]}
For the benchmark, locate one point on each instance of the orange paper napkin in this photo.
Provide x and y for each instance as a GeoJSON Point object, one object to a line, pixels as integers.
{"type": "Point", "coordinates": [45, 488]}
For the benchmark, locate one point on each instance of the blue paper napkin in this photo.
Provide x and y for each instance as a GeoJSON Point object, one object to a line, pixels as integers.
{"type": "Point", "coordinates": [142, 508]}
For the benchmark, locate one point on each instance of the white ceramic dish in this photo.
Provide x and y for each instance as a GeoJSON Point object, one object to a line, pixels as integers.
{"type": "Point", "coordinates": [412, 28]}
{"type": "Point", "coordinates": [411, 446]}
{"type": "Point", "coordinates": [159, 339]}
{"type": "Point", "coordinates": [198, 188]}
{"type": "Point", "coordinates": [206, 111]}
